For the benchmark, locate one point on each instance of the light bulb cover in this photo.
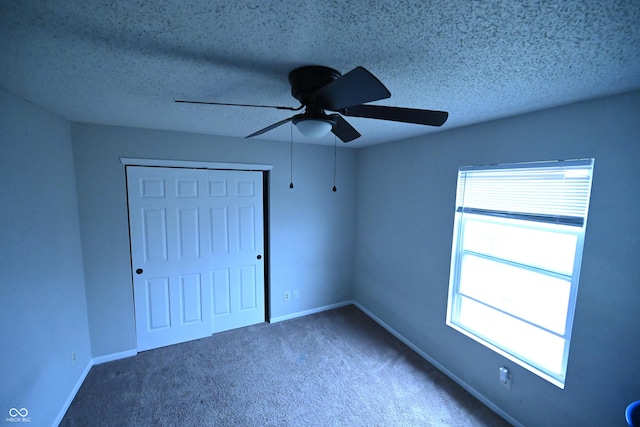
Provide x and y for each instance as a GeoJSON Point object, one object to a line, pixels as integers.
{"type": "Point", "coordinates": [314, 128]}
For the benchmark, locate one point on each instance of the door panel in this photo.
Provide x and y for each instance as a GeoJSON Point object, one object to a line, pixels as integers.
{"type": "Point", "coordinates": [157, 299]}
{"type": "Point", "coordinates": [195, 238]}
{"type": "Point", "coordinates": [191, 298]}
{"type": "Point", "coordinates": [246, 232]}
{"type": "Point", "coordinates": [219, 230]}
{"type": "Point", "coordinates": [188, 233]}
{"type": "Point", "coordinates": [248, 288]}
{"type": "Point", "coordinates": [154, 233]}
{"type": "Point", "coordinates": [221, 293]}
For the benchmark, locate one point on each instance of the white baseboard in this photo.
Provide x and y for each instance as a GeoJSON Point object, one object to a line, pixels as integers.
{"type": "Point", "coordinates": [115, 356]}
{"type": "Point", "coordinates": [72, 395]}
{"type": "Point", "coordinates": [312, 311]}
{"type": "Point", "coordinates": [441, 368]}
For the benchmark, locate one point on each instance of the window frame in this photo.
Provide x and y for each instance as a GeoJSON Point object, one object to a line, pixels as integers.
{"type": "Point", "coordinates": [572, 227]}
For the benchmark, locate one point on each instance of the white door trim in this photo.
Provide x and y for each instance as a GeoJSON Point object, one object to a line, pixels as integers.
{"type": "Point", "coordinates": [127, 161]}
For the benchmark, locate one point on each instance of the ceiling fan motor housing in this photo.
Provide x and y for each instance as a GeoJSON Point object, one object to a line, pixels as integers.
{"type": "Point", "coordinates": [306, 80]}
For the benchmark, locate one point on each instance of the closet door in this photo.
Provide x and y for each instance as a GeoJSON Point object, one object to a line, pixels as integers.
{"type": "Point", "coordinates": [237, 248]}
{"type": "Point", "coordinates": [178, 225]}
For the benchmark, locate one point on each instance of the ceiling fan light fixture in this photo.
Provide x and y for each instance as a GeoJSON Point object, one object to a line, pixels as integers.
{"type": "Point", "coordinates": [314, 128]}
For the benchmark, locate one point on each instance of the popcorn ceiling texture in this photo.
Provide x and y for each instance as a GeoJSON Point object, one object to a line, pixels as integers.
{"type": "Point", "coordinates": [123, 63]}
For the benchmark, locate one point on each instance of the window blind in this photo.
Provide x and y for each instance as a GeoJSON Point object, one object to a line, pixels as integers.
{"type": "Point", "coordinates": [555, 192]}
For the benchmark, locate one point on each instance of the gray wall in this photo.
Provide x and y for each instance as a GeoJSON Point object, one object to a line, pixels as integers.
{"type": "Point", "coordinates": [43, 313]}
{"type": "Point", "coordinates": [312, 233]}
{"type": "Point", "coordinates": [405, 207]}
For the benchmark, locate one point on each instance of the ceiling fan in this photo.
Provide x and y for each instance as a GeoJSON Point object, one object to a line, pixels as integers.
{"type": "Point", "coordinates": [321, 89]}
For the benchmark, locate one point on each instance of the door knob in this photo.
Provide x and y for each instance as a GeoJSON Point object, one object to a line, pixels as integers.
{"type": "Point", "coordinates": [259, 257]}
{"type": "Point", "coordinates": [139, 271]}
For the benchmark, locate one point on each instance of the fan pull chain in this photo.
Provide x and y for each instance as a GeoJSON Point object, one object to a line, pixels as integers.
{"type": "Point", "coordinates": [334, 164]}
{"type": "Point", "coordinates": [291, 157]}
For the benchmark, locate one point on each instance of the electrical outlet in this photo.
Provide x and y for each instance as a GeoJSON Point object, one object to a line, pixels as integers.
{"type": "Point", "coordinates": [74, 358]}
{"type": "Point", "coordinates": [295, 294]}
{"type": "Point", "coordinates": [287, 296]}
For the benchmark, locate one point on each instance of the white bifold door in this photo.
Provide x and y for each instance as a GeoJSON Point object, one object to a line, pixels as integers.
{"type": "Point", "coordinates": [197, 251]}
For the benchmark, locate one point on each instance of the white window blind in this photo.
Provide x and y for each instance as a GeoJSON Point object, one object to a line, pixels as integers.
{"type": "Point", "coordinates": [555, 192]}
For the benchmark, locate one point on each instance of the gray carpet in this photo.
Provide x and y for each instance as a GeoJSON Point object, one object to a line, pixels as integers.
{"type": "Point", "coordinates": [336, 368]}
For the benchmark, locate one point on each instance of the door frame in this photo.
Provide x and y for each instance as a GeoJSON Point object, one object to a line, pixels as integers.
{"type": "Point", "coordinates": [127, 161]}
{"type": "Point", "coordinates": [188, 164]}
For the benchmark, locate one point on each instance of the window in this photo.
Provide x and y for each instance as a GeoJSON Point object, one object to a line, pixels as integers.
{"type": "Point", "coordinates": [517, 247]}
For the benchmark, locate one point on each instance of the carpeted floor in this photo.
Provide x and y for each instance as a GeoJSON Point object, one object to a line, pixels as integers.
{"type": "Point", "coordinates": [336, 368]}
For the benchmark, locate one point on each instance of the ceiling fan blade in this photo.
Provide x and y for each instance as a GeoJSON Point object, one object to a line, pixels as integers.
{"type": "Point", "coordinates": [343, 130]}
{"type": "Point", "coordinates": [241, 105]}
{"type": "Point", "coordinates": [268, 128]}
{"type": "Point", "coordinates": [398, 114]}
{"type": "Point", "coordinates": [354, 88]}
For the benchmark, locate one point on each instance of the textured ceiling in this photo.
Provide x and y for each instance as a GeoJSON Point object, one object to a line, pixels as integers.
{"type": "Point", "coordinates": [124, 62]}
